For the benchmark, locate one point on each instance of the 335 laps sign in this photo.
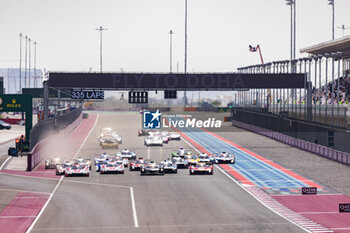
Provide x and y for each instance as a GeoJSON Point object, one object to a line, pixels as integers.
{"type": "Point", "coordinates": [87, 95]}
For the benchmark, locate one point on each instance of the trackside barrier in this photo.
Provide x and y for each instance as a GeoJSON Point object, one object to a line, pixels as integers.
{"type": "Point", "coordinates": [39, 151]}
{"type": "Point", "coordinates": [326, 152]}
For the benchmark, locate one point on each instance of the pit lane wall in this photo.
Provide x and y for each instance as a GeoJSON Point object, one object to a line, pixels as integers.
{"type": "Point", "coordinates": [306, 136]}
{"type": "Point", "coordinates": [45, 132]}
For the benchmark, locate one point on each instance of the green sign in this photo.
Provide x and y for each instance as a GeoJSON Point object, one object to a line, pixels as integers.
{"type": "Point", "coordinates": [19, 103]}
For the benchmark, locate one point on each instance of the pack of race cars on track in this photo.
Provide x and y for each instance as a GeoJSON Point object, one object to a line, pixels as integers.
{"type": "Point", "coordinates": [104, 163]}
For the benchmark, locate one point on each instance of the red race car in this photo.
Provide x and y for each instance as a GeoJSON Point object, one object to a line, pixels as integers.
{"type": "Point", "coordinates": [136, 165]}
{"type": "Point", "coordinates": [201, 168]}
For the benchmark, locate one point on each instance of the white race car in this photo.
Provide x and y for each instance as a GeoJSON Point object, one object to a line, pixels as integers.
{"type": "Point", "coordinates": [83, 162]}
{"type": "Point", "coordinates": [153, 140]}
{"type": "Point", "coordinates": [174, 136]}
{"type": "Point", "coordinates": [107, 131]}
{"type": "Point", "coordinates": [126, 153]}
{"type": "Point", "coordinates": [225, 157]}
{"type": "Point", "coordinates": [205, 158]}
{"type": "Point", "coordinates": [112, 167]}
{"type": "Point", "coordinates": [77, 169]}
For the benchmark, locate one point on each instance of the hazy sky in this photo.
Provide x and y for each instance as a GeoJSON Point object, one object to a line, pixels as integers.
{"type": "Point", "coordinates": [137, 39]}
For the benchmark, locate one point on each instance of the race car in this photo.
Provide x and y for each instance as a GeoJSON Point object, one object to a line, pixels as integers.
{"type": "Point", "coordinates": [152, 168]}
{"type": "Point", "coordinates": [77, 169]}
{"type": "Point", "coordinates": [201, 168]}
{"type": "Point", "coordinates": [101, 159]}
{"type": "Point", "coordinates": [112, 167]}
{"type": "Point", "coordinates": [153, 133]}
{"type": "Point", "coordinates": [205, 158]}
{"type": "Point", "coordinates": [225, 157]}
{"type": "Point", "coordinates": [109, 142]}
{"type": "Point", "coordinates": [106, 132]}
{"type": "Point", "coordinates": [181, 152]}
{"type": "Point", "coordinates": [174, 136]}
{"type": "Point", "coordinates": [169, 166]}
{"type": "Point", "coordinates": [60, 167]}
{"type": "Point", "coordinates": [193, 160]}
{"type": "Point", "coordinates": [136, 165]}
{"type": "Point", "coordinates": [119, 138]}
{"type": "Point", "coordinates": [51, 163]}
{"type": "Point", "coordinates": [180, 162]}
{"type": "Point", "coordinates": [153, 140]}
{"type": "Point", "coordinates": [188, 156]}
{"type": "Point", "coordinates": [126, 153]}
{"type": "Point", "coordinates": [84, 162]}
{"type": "Point", "coordinates": [143, 132]}
{"type": "Point", "coordinates": [104, 155]}
{"type": "Point", "coordinates": [165, 139]}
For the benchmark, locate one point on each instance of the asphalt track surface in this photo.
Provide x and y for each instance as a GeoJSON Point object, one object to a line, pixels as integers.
{"type": "Point", "coordinates": [131, 203]}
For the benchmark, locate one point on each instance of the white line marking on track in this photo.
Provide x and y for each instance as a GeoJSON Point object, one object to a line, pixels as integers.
{"type": "Point", "coordinates": [136, 222]}
{"type": "Point", "coordinates": [44, 207]}
{"type": "Point", "coordinates": [60, 181]}
{"type": "Point", "coordinates": [4, 163]}
{"type": "Point", "coordinates": [133, 206]}
{"type": "Point", "coordinates": [244, 188]}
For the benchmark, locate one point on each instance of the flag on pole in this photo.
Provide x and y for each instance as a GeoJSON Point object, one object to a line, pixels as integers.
{"type": "Point", "coordinates": [252, 49]}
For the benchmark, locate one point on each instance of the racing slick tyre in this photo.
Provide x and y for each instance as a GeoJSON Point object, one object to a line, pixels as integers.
{"type": "Point", "coordinates": [122, 172]}
{"type": "Point", "coordinates": [191, 173]}
{"type": "Point", "coordinates": [130, 168]}
{"type": "Point", "coordinates": [211, 173]}
{"type": "Point", "coordinates": [66, 175]}
{"type": "Point", "coordinates": [233, 161]}
{"type": "Point", "coordinates": [175, 171]}
{"type": "Point", "coordinates": [88, 174]}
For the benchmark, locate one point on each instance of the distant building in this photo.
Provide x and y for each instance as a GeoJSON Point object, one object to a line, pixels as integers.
{"type": "Point", "coordinates": [12, 80]}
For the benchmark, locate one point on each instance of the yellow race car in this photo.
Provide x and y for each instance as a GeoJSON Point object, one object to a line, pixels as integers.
{"type": "Point", "coordinates": [109, 142]}
{"type": "Point", "coordinates": [193, 160]}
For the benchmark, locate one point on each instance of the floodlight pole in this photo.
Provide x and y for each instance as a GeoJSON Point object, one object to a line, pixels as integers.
{"type": "Point", "coordinates": [331, 2]}
{"type": "Point", "coordinates": [30, 58]}
{"type": "Point", "coordinates": [171, 50]}
{"type": "Point", "coordinates": [294, 31]}
{"type": "Point", "coordinates": [25, 62]}
{"type": "Point", "coordinates": [101, 29]}
{"type": "Point", "coordinates": [35, 81]}
{"type": "Point", "coordinates": [20, 63]}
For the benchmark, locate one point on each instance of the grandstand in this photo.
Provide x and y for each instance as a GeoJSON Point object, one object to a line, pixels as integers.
{"type": "Point", "coordinates": [327, 66]}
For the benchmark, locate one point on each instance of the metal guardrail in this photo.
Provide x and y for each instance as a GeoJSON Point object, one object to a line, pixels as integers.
{"type": "Point", "coordinates": [47, 127]}
{"type": "Point", "coordinates": [327, 152]}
